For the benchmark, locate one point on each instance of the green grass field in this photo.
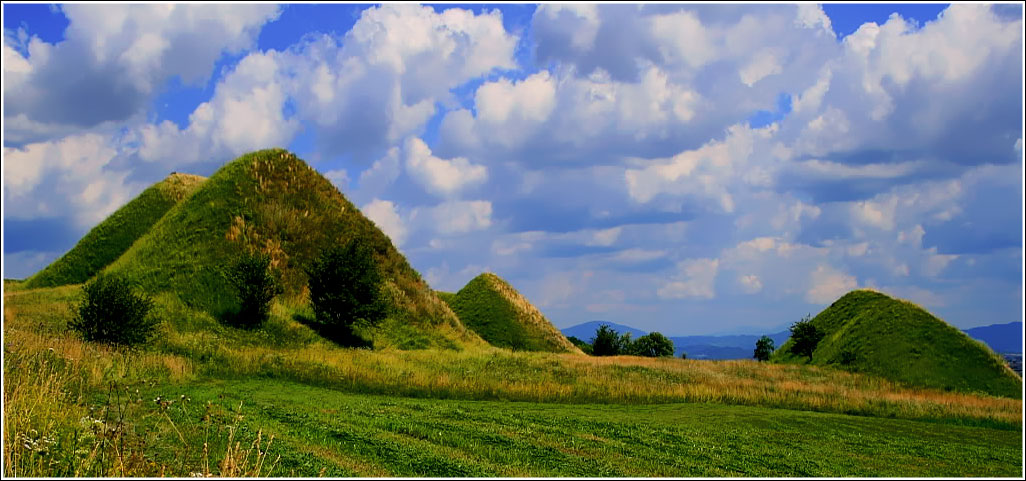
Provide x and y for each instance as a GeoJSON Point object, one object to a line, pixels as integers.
{"type": "Point", "coordinates": [75, 408]}
{"type": "Point", "coordinates": [320, 431]}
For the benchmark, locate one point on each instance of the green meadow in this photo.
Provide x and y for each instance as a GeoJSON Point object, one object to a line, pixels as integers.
{"type": "Point", "coordinates": [281, 401]}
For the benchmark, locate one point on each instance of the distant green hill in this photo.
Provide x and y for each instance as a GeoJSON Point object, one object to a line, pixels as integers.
{"type": "Point", "coordinates": [272, 202]}
{"type": "Point", "coordinates": [867, 331]}
{"type": "Point", "coordinates": [500, 315]}
{"type": "Point", "coordinates": [112, 237]}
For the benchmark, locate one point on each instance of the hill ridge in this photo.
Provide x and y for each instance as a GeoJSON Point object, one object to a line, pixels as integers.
{"type": "Point", "coordinates": [503, 317]}
{"type": "Point", "coordinates": [272, 202]}
{"type": "Point", "coordinates": [114, 236]}
{"type": "Point", "coordinates": [869, 331]}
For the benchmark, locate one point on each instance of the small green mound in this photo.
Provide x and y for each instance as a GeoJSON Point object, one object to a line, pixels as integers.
{"type": "Point", "coordinates": [112, 237]}
{"type": "Point", "coordinates": [867, 331]}
{"type": "Point", "coordinates": [273, 203]}
{"type": "Point", "coordinates": [500, 315]}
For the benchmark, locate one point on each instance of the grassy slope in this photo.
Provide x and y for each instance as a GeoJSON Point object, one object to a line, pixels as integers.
{"type": "Point", "coordinates": [901, 341]}
{"type": "Point", "coordinates": [271, 201]}
{"type": "Point", "coordinates": [112, 237]}
{"type": "Point", "coordinates": [504, 318]}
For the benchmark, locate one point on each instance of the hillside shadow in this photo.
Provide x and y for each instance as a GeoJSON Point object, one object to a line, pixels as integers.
{"type": "Point", "coordinates": [342, 336]}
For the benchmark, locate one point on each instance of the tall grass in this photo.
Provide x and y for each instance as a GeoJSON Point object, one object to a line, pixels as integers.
{"type": "Point", "coordinates": [71, 408]}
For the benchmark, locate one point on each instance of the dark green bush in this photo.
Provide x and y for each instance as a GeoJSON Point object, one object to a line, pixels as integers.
{"type": "Point", "coordinates": [610, 343]}
{"type": "Point", "coordinates": [254, 284]}
{"type": "Point", "coordinates": [345, 292]}
{"type": "Point", "coordinates": [113, 313]}
{"type": "Point", "coordinates": [652, 345]}
{"type": "Point", "coordinates": [848, 357]}
{"type": "Point", "coordinates": [583, 346]}
{"type": "Point", "coordinates": [763, 348]}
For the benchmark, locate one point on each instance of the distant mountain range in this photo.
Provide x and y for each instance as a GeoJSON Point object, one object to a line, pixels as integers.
{"type": "Point", "coordinates": [738, 346]}
{"type": "Point", "coordinates": [586, 331]}
{"type": "Point", "coordinates": [1002, 338]}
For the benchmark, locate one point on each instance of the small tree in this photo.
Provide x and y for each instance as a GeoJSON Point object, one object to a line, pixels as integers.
{"type": "Point", "coordinates": [255, 286]}
{"type": "Point", "coordinates": [345, 289]}
{"type": "Point", "coordinates": [683, 355]}
{"type": "Point", "coordinates": [763, 348]}
{"type": "Point", "coordinates": [112, 312]}
{"type": "Point", "coordinates": [609, 343]}
{"type": "Point", "coordinates": [804, 337]}
{"type": "Point", "coordinates": [652, 345]}
{"type": "Point", "coordinates": [583, 346]}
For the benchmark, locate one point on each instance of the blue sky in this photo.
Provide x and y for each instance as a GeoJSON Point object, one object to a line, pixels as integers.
{"type": "Point", "coordinates": [689, 169]}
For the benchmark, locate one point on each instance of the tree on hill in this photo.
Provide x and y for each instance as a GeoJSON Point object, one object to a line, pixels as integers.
{"type": "Point", "coordinates": [583, 346]}
{"type": "Point", "coordinates": [345, 288]}
{"type": "Point", "coordinates": [652, 345]}
{"type": "Point", "coordinates": [250, 275]}
{"type": "Point", "coordinates": [112, 312]}
{"type": "Point", "coordinates": [609, 343]}
{"type": "Point", "coordinates": [805, 337]}
{"type": "Point", "coordinates": [763, 348]}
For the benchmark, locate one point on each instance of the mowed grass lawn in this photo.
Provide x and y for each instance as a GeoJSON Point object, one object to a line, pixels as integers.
{"type": "Point", "coordinates": [320, 431]}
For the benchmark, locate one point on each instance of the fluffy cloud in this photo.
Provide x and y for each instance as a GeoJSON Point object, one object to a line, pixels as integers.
{"type": "Point", "coordinates": [115, 57]}
{"type": "Point", "coordinates": [381, 82]}
{"type": "Point", "coordinates": [877, 101]}
{"type": "Point", "coordinates": [704, 173]}
{"type": "Point", "coordinates": [698, 277]}
{"type": "Point", "coordinates": [455, 217]}
{"type": "Point", "coordinates": [750, 283]}
{"type": "Point", "coordinates": [80, 166]}
{"type": "Point", "coordinates": [827, 284]}
{"type": "Point", "coordinates": [246, 113]}
{"type": "Point", "coordinates": [440, 176]}
{"type": "Point", "coordinates": [386, 215]}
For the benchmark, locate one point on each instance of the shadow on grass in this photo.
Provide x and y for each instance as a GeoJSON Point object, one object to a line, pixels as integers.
{"type": "Point", "coordinates": [341, 335]}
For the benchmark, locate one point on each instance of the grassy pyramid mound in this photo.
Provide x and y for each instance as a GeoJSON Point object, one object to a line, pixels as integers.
{"type": "Point", "coordinates": [112, 237]}
{"type": "Point", "coordinates": [271, 202]}
{"type": "Point", "coordinates": [867, 331]}
{"type": "Point", "coordinates": [500, 315]}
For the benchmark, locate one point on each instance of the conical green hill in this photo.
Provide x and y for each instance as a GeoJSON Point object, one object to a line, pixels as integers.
{"type": "Point", "coordinates": [867, 331]}
{"type": "Point", "coordinates": [274, 203]}
{"type": "Point", "coordinates": [500, 315]}
{"type": "Point", "coordinates": [112, 237]}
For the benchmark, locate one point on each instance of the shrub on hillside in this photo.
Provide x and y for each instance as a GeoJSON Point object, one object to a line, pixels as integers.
{"type": "Point", "coordinates": [345, 291]}
{"type": "Point", "coordinates": [254, 284]}
{"type": "Point", "coordinates": [610, 343]}
{"type": "Point", "coordinates": [112, 312]}
{"type": "Point", "coordinates": [805, 337]}
{"type": "Point", "coordinates": [763, 348]}
{"type": "Point", "coordinates": [652, 345]}
{"type": "Point", "coordinates": [583, 346]}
